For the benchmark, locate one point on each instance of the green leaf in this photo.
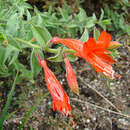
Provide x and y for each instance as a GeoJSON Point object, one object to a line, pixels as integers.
{"type": "Point", "coordinates": [13, 42]}
{"type": "Point", "coordinates": [102, 15]}
{"type": "Point", "coordinates": [96, 33]}
{"type": "Point", "coordinates": [41, 34]}
{"type": "Point", "coordinates": [84, 36]}
{"type": "Point", "coordinates": [70, 54]}
{"type": "Point", "coordinates": [90, 22]}
{"type": "Point", "coordinates": [14, 56]}
{"type": "Point", "coordinates": [28, 15]}
{"type": "Point", "coordinates": [72, 58]}
{"type": "Point", "coordinates": [2, 38]}
{"type": "Point", "coordinates": [27, 74]}
{"type": "Point", "coordinates": [35, 67]}
{"type": "Point", "coordinates": [103, 23]}
{"type": "Point", "coordinates": [9, 52]}
{"type": "Point", "coordinates": [82, 14]}
{"type": "Point", "coordinates": [12, 25]}
{"type": "Point", "coordinates": [58, 57]}
{"type": "Point", "coordinates": [4, 71]}
{"type": "Point", "coordinates": [2, 54]}
{"type": "Point", "coordinates": [114, 53]}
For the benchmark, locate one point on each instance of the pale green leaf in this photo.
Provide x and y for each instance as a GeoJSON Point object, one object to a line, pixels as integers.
{"type": "Point", "coordinates": [96, 33]}
{"type": "Point", "coordinates": [84, 36]}
{"type": "Point", "coordinates": [41, 34]}
{"type": "Point", "coordinates": [35, 67]}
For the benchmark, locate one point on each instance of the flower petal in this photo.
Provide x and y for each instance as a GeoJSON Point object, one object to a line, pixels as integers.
{"type": "Point", "coordinates": [105, 58]}
{"type": "Point", "coordinates": [76, 45]}
{"type": "Point", "coordinates": [104, 40]}
{"type": "Point", "coordinates": [100, 65]}
{"type": "Point", "coordinates": [71, 77]}
{"type": "Point", "coordinates": [90, 44]}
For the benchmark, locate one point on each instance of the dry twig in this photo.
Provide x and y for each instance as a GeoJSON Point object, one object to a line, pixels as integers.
{"type": "Point", "coordinates": [93, 105]}
{"type": "Point", "coordinates": [100, 95]}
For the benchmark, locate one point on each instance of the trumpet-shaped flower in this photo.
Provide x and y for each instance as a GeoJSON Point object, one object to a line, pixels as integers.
{"type": "Point", "coordinates": [74, 44]}
{"type": "Point", "coordinates": [95, 52]}
{"type": "Point", "coordinates": [97, 56]}
{"type": "Point", "coordinates": [61, 101]}
{"type": "Point", "coordinates": [71, 77]}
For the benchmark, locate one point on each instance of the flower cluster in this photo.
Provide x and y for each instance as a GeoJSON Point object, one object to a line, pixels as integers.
{"type": "Point", "coordinates": [95, 52]}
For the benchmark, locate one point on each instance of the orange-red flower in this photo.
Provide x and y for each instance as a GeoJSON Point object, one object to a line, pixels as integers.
{"type": "Point", "coordinates": [74, 44]}
{"type": "Point", "coordinates": [98, 57]}
{"type": "Point", "coordinates": [95, 52]}
{"type": "Point", "coordinates": [71, 77]}
{"type": "Point", "coordinates": [61, 101]}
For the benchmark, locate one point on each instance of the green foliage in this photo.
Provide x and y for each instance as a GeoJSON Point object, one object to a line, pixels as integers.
{"type": "Point", "coordinates": [117, 17]}
{"type": "Point", "coordinates": [22, 29]}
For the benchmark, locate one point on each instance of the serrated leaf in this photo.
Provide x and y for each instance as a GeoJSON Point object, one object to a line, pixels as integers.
{"type": "Point", "coordinates": [84, 36]}
{"type": "Point", "coordinates": [41, 34]}
{"type": "Point", "coordinates": [35, 67]}
{"type": "Point", "coordinates": [96, 33]}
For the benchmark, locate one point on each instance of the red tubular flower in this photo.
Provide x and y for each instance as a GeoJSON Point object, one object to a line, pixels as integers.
{"type": "Point", "coordinates": [71, 77]}
{"type": "Point", "coordinates": [76, 45]}
{"type": "Point", "coordinates": [61, 101]}
{"type": "Point", "coordinates": [98, 58]}
{"type": "Point", "coordinates": [95, 52]}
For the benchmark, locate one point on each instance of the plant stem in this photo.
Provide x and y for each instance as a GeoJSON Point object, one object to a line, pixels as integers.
{"type": "Point", "coordinates": [28, 43]}
{"type": "Point", "coordinates": [4, 112]}
{"type": "Point", "coordinates": [52, 50]}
